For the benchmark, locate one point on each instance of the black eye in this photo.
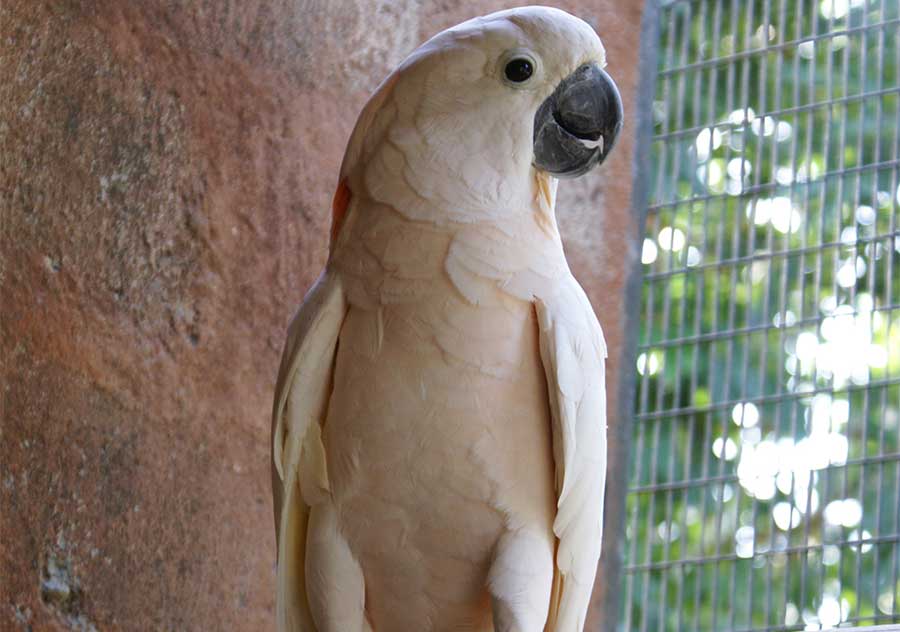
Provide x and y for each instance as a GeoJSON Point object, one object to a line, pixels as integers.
{"type": "Point", "coordinates": [519, 70]}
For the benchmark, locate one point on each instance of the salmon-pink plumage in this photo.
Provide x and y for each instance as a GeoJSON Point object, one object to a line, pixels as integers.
{"type": "Point", "coordinates": [439, 428]}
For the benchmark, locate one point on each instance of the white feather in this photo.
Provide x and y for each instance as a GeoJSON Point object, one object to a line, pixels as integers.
{"type": "Point", "coordinates": [438, 457]}
{"type": "Point", "coordinates": [298, 457]}
{"type": "Point", "coordinates": [573, 353]}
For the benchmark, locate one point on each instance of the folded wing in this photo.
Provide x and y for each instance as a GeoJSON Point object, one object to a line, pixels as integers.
{"type": "Point", "coordinates": [573, 353]}
{"type": "Point", "coordinates": [299, 474]}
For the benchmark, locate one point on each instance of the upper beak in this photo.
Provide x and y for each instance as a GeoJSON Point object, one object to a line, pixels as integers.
{"type": "Point", "coordinates": [575, 128]}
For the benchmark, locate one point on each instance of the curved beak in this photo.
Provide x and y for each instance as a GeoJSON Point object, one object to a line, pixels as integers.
{"type": "Point", "coordinates": [575, 128]}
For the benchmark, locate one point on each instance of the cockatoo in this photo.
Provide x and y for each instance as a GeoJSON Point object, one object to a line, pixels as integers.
{"type": "Point", "coordinates": [439, 425]}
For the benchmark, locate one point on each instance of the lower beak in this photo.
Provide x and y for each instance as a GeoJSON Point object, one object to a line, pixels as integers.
{"type": "Point", "coordinates": [576, 127]}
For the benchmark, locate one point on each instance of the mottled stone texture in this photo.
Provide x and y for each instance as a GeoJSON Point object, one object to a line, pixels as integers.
{"type": "Point", "coordinates": [165, 174]}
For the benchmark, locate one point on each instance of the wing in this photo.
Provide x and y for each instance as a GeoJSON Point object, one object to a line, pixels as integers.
{"type": "Point", "coordinates": [573, 353]}
{"type": "Point", "coordinates": [299, 475]}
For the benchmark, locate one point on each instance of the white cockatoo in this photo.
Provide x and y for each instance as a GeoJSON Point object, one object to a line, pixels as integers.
{"type": "Point", "coordinates": [439, 426]}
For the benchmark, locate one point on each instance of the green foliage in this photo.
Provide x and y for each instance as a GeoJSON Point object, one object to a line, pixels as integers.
{"type": "Point", "coordinates": [765, 480]}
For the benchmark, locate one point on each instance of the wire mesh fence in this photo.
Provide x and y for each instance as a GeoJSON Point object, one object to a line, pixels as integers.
{"type": "Point", "coordinates": [764, 491]}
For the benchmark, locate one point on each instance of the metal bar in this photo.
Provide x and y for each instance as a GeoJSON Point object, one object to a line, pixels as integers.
{"type": "Point", "coordinates": [865, 407]}
{"type": "Point", "coordinates": [841, 159]}
{"type": "Point", "coordinates": [682, 308]}
{"type": "Point", "coordinates": [800, 550]}
{"type": "Point", "coordinates": [666, 307]}
{"type": "Point", "coordinates": [780, 47]}
{"type": "Point", "coordinates": [688, 462]}
{"type": "Point", "coordinates": [782, 293]}
{"type": "Point", "coordinates": [741, 331]}
{"type": "Point", "coordinates": [808, 107]}
{"type": "Point", "coordinates": [719, 238]}
{"type": "Point", "coordinates": [768, 186]}
{"type": "Point", "coordinates": [764, 399]}
{"type": "Point", "coordinates": [609, 593]}
{"type": "Point", "coordinates": [731, 306]}
{"type": "Point", "coordinates": [733, 478]}
{"type": "Point", "coordinates": [763, 256]}
{"type": "Point", "coordinates": [645, 379]}
{"type": "Point", "coordinates": [859, 147]}
{"type": "Point", "coordinates": [730, 346]}
{"type": "Point", "coordinates": [888, 293]}
{"type": "Point", "coordinates": [729, 91]}
{"type": "Point", "coordinates": [792, 415]}
{"type": "Point", "coordinates": [757, 168]}
{"type": "Point", "coordinates": [802, 626]}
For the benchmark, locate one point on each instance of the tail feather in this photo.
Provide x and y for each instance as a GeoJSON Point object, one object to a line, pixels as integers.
{"type": "Point", "coordinates": [292, 609]}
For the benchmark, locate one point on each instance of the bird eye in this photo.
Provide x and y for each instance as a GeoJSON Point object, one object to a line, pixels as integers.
{"type": "Point", "coordinates": [519, 70]}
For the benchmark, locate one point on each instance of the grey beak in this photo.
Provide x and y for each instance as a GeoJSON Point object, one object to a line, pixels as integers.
{"type": "Point", "coordinates": [575, 128]}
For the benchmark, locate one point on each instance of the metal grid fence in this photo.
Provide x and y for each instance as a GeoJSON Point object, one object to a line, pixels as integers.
{"type": "Point", "coordinates": [764, 491]}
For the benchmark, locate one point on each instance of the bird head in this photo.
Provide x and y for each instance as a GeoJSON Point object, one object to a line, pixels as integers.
{"type": "Point", "coordinates": [466, 120]}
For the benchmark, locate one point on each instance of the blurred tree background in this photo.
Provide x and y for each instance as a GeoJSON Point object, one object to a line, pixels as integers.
{"type": "Point", "coordinates": [764, 491]}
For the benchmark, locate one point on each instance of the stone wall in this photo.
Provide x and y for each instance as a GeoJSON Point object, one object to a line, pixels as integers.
{"type": "Point", "coordinates": [166, 170]}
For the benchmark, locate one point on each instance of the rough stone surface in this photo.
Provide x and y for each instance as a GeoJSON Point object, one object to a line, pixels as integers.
{"type": "Point", "coordinates": [166, 170]}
